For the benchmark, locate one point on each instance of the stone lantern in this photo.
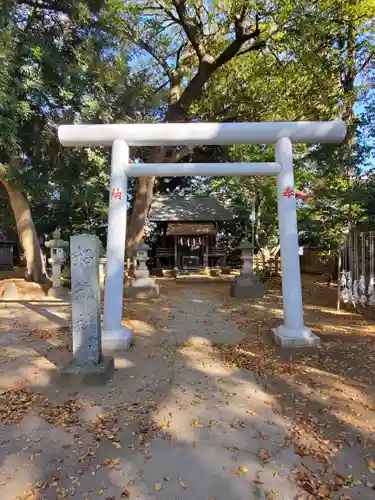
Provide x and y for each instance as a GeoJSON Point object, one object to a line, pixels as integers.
{"type": "Point", "coordinates": [247, 284]}
{"type": "Point", "coordinates": [141, 256]}
{"type": "Point", "coordinates": [57, 259]}
{"type": "Point", "coordinates": [142, 285]}
{"type": "Point", "coordinates": [102, 264]}
{"type": "Point", "coordinates": [247, 257]}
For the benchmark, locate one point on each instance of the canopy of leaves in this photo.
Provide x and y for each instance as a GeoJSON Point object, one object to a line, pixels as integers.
{"type": "Point", "coordinates": [153, 60]}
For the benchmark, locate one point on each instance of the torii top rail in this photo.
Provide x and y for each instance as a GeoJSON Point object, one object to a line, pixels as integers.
{"type": "Point", "coordinates": [210, 134]}
{"type": "Point", "coordinates": [282, 134]}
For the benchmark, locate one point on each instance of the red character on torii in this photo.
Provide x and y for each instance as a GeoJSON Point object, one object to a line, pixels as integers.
{"type": "Point", "coordinates": [116, 194]}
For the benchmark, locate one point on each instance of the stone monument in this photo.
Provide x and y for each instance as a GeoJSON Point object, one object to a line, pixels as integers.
{"type": "Point", "coordinates": [57, 248]}
{"type": "Point", "coordinates": [247, 284]}
{"type": "Point", "coordinates": [142, 285]}
{"type": "Point", "coordinates": [88, 362]}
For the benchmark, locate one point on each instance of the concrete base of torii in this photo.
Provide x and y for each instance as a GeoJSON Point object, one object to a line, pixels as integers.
{"type": "Point", "coordinates": [286, 337]}
{"type": "Point", "coordinates": [117, 338]}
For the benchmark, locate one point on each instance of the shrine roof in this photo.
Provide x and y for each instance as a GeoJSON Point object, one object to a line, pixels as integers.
{"type": "Point", "coordinates": [188, 208]}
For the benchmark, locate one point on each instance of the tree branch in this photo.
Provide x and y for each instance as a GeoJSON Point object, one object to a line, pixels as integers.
{"type": "Point", "coordinates": [241, 37]}
{"type": "Point", "coordinates": [42, 4]}
{"type": "Point", "coordinates": [167, 11]}
{"type": "Point", "coordinates": [161, 87]}
{"type": "Point", "coordinates": [178, 54]}
{"type": "Point", "coordinates": [149, 49]}
{"type": "Point", "coordinates": [192, 28]}
{"type": "Point", "coordinates": [255, 46]}
{"type": "Point", "coordinates": [178, 155]}
{"type": "Point", "coordinates": [271, 51]}
{"type": "Point", "coordinates": [208, 65]}
{"type": "Point", "coordinates": [370, 58]}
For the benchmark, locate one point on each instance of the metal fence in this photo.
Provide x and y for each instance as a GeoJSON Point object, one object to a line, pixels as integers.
{"type": "Point", "coordinates": [356, 267]}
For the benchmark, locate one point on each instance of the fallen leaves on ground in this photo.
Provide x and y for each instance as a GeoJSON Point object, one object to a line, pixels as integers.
{"type": "Point", "coordinates": [355, 357]}
{"type": "Point", "coordinates": [311, 401]}
{"type": "Point", "coordinates": [148, 311]}
{"type": "Point", "coordinates": [104, 427]}
{"type": "Point", "coordinates": [272, 494]}
{"type": "Point", "coordinates": [35, 492]}
{"type": "Point", "coordinates": [264, 454]}
{"type": "Point", "coordinates": [182, 484]}
{"type": "Point", "coordinates": [158, 486]}
{"type": "Point", "coordinates": [112, 463]}
{"type": "Point", "coordinates": [326, 392]}
{"type": "Point", "coordinates": [16, 403]}
{"type": "Point", "coordinates": [370, 463]}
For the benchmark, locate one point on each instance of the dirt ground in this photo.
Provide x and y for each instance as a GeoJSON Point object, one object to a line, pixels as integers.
{"type": "Point", "coordinates": [329, 392]}
{"type": "Point", "coordinates": [196, 381]}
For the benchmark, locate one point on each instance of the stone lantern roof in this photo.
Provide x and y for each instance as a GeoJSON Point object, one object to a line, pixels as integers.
{"type": "Point", "coordinates": [56, 241]}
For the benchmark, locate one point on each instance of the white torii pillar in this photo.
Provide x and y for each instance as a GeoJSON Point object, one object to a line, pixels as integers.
{"type": "Point", "coordinates": [114, 333]}
{"type": "Point", "coordinates": [293, 332]}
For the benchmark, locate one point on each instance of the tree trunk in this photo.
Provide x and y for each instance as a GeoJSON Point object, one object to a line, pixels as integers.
{"type": "Point", "coordinates": [179, 103]}
{"type": "Point", "coordinates": [142, 199]}
{"type": "Point", "coordinates": [35, 266]}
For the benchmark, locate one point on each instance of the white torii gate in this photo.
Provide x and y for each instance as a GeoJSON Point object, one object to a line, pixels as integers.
{"type": "Point", "coordinates": [293, 332]}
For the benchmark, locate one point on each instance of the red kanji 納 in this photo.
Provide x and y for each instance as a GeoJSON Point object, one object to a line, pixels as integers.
{"type": "Point", "coordinates": [116, 194]}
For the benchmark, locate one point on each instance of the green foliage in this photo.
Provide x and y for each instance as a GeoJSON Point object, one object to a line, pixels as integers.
{"type": "Point", "coordinates": [111, 61]}
{"type": "Point", "coordinates": [57, 70]}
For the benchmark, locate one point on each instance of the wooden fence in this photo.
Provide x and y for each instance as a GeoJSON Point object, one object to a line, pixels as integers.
{"type": "Point", "coordinates": [310, 263]}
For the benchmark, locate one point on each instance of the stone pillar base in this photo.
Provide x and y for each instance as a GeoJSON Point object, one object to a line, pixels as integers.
{"type": "Point", "coordinates": [225, 270]}
{"type": "Point", "coordinates": [89, 374]}
{"type": "Point", "coordinates": [247, 287]}
{"type": "Point", "coordinates": [157, 271]}
{"type": "Point", "coordinates": [170, 273]}
{"type": "Point", "coordinates": [119, 338]}
{"type": "Point", "coordinates": [59, 293]}
{"type": "Point", "coordinates": [142, 288]}
{"type": "Point", "coordinates": [215, 272]}
{"type": "Point", "coordinates": [286, 337]}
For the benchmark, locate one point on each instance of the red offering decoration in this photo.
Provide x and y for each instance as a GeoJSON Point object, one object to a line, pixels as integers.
{"type": "Point", "coordinates": [116, 194]}
{"type": "Point", "coordinates": [299, 195]}
{"type": "Point", "coordinates": [289, 192]}
{"type": "Point", "coordinates": [306, 197]}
